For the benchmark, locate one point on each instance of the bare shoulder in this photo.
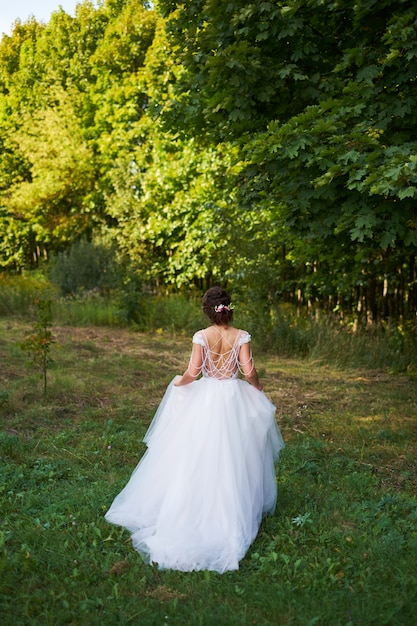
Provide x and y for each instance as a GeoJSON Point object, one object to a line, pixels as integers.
{"type": "Point", "coordinates": [222, 339]}
{"type": "Point", "coordinates": [213, 332]}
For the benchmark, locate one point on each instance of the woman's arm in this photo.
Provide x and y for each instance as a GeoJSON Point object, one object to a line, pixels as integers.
{"type": "Point", "coordinates": [247, 366]}
{"type": "Point", "coordinates": [194, 367]}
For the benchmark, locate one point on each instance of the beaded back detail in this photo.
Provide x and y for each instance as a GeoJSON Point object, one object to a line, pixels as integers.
{"type": "Point", "coordinates": [226, 365]}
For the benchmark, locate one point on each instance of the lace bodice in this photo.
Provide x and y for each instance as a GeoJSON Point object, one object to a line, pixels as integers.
{"type": "Point", "coordinates": [222, 366]}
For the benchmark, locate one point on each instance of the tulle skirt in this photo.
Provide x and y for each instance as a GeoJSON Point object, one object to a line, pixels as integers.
{"type": "Point", "coordinates": [196, 499]}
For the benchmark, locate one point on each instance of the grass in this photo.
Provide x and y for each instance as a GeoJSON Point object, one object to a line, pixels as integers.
{"type": "Point", "coordinates": [340, 549]}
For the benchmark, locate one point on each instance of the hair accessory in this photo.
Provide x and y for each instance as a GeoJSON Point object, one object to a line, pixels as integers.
{"type": "Point", "coordinates": [223, 307]}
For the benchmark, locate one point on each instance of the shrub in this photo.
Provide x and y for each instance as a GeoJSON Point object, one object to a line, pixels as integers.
{"type": "Point", "coordinates": [38, 342]}
{"type": "Point", "coordinates": [18, 292]}
{"type": "Point", "coordinates": [84, 266]}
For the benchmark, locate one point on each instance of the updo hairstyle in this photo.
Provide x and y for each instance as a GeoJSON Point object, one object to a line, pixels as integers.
{"type": "Point", "coordinates": [212, 298]}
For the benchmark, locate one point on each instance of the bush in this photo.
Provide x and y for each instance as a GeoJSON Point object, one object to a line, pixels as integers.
{"type": "Point", "coordinates": [18, 293]}
{"type": "Point", "coordinates": [84, 266]}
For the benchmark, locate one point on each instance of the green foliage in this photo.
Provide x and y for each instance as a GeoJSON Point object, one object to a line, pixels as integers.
{"type": "Point", "coordinates": [318, 99]}
{"type": "Point", "coordinates": [88, 309]}
{"type": "Point", "coordinates": [52, 204]}
{"type": "Point", "coordinates": [173, 218]}
{"type": "Point", "coordinates": [69, 103]}
{"type": "Point", "coordinates": [38, 343]}
{"type": "Point", "coordinates": [18, 293]}
{"type": "Point", "coordinates": [84, 266]}
{"type": "Point", "coordinates": [177, 314]}
{"type": "Point", "coordinates": [264, 145]}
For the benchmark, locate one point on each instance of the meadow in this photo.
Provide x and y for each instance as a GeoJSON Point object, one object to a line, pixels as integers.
{"type": "Point", "coordinates": [340, 550]}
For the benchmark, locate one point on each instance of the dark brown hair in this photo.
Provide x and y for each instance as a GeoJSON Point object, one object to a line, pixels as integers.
{"type": "Point", "coordinates": [212, 298]}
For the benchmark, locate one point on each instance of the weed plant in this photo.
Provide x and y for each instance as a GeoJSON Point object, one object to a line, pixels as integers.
{"type": "Point", "coordinates": [339, 551]}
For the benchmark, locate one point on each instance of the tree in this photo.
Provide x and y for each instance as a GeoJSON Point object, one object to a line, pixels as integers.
{"type": "Point", "coordinates": [69, 103]}
{"type": "Point", "coordinates": [170, 206]}
{"type": "Point", "coordinates": [318, 98]}
{"type": "Point", "coordinates": [50, 206]}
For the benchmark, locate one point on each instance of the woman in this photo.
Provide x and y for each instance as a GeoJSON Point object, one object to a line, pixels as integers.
{"type": "Point", "coordinates": [196, 499]}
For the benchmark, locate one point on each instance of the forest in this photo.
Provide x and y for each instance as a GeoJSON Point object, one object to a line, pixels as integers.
{"type": "Point", "coordinates": [266, 146]}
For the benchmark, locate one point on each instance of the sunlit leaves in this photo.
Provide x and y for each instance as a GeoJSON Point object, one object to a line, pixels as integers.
{"type": "Point", "coordinates": [264, 141]}
{"type": "Point", "coordinates": [170, 207]}
{"type": "Point", "coordinates": [70, 101]}
{"type": "Point", "coordinates": [53, 199]}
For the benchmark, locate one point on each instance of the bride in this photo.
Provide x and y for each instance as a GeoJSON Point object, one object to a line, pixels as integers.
{"type": "Point", "coordinates": [196, 499]}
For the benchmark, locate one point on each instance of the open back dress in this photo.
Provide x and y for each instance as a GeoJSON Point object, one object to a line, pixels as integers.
{"type": "Point", "coordinates": [196, 499]}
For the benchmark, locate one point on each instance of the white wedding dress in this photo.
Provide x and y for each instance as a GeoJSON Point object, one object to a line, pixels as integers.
{"type": "Point", "coordinates": [196, 499]}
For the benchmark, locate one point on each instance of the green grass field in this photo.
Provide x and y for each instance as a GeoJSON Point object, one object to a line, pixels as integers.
{"type": "Point", "coordinates": [340, 550]}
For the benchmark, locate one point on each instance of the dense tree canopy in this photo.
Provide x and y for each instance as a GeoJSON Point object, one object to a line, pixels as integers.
{"type": "Point", "coordinates": [269, 144]}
